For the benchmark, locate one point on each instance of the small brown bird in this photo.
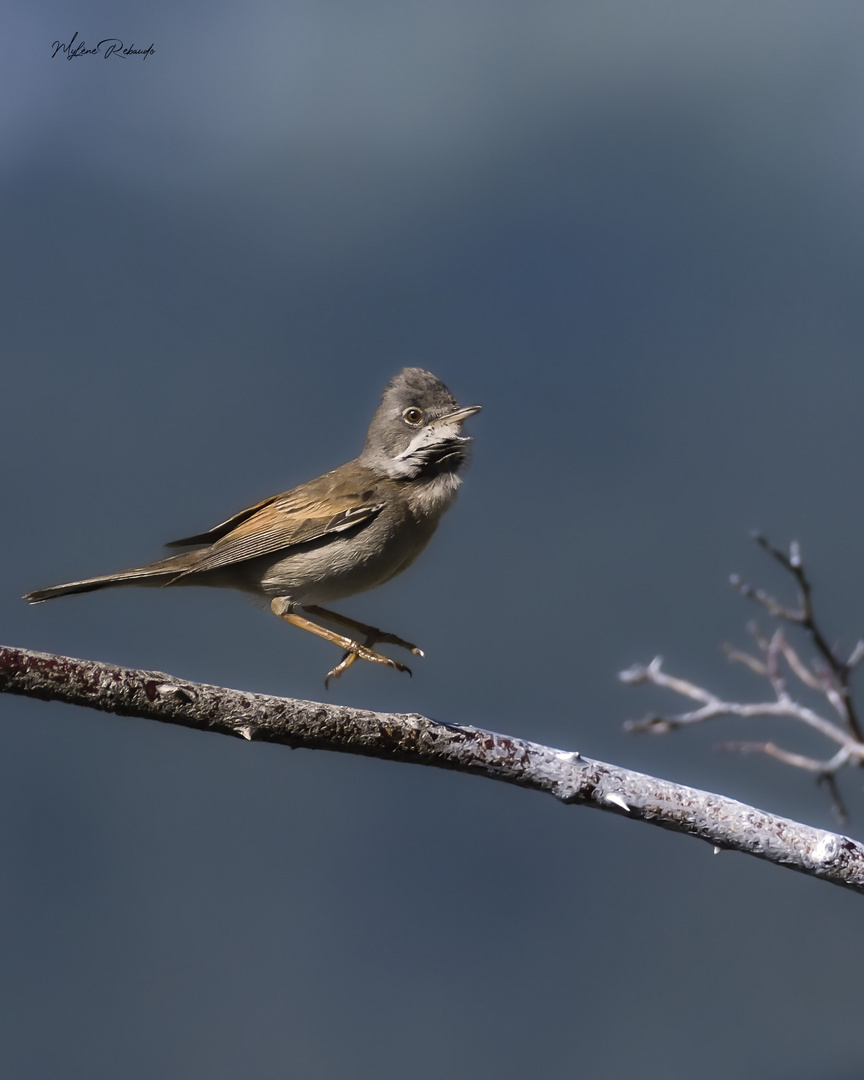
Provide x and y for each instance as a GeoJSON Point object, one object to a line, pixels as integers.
{"type": "Point", "coordinates": [348, 531]}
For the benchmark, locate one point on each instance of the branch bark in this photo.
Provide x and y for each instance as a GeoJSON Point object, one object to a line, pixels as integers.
{"type": "Point", "coordinates": [568, 776]}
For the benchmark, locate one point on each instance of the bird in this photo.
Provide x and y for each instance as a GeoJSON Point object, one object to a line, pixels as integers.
{"type": "Point", "coordinates": [345, 532]}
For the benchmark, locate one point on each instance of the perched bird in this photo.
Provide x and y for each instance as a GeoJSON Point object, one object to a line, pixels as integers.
{"type": "Point", "coordinates": [348, 531]}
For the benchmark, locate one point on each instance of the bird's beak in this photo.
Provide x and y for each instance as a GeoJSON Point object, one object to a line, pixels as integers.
{"type": "Point", "coordinates": [459, 415]}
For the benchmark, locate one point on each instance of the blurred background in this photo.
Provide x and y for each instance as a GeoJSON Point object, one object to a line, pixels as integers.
{"type": "Point", "coordinates": [633, 233]}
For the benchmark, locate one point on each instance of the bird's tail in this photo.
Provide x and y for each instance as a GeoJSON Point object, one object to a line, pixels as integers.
{"type": "Point", "coordinates": [157, 573]}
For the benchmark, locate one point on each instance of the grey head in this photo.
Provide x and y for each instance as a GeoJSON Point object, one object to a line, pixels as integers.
{"type": "Point", "coordinates": [415, 432]}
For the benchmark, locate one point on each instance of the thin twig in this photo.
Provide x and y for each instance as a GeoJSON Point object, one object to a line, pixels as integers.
{"type": "Point", "coordinates": [799, 761]}
{"type": "Point", "coordinates": [838, 807]}
{"type": "Point", "coordinates": [716, 707]}
{"type": "Point", "coordinates": [777, 658]}
{"type": "Point", "coordinates": [805, 618]}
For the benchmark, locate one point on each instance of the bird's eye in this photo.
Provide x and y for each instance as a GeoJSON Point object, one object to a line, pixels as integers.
{"type": "Point", "coordinates": [413, 416]}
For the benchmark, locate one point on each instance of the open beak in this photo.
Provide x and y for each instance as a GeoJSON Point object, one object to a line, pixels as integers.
{"type": "Point", "coordinates": [459, 415]}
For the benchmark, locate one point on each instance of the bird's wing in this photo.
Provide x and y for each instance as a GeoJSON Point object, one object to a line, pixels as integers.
{"type": "Point", "coordinates": [218, 531]}
{"type": "Point", "coordinates": [321, 508]}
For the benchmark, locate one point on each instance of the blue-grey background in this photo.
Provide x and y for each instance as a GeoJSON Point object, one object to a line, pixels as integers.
{"type": "Point", "coordinates": [633, 232]}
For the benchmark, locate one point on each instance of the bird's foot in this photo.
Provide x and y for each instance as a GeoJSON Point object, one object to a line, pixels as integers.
{"type": "Point", "coordinates": [354, 650]}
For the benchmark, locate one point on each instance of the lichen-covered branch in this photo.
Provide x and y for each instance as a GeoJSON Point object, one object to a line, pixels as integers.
{"type": "Point", "coordinates": [570, 777]}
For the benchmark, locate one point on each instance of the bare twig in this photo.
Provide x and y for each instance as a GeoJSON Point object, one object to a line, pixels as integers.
{"type": "Point", "coordinates": [804, 617]}
{"type": "Point", "coordinates": [799, 761]}
{"type": "Point", "coordinates": [570, 777]}
{"type": "Point", "coordinates": [715, 707]}
{"type": "Point", "coordinates": [776, 660]}
{"type": "Point", "coordinates": [829, 780]}
{"type": "Point", "coordinates": [799, 668]}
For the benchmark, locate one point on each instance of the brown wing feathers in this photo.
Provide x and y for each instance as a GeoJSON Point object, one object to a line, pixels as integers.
{"type": "Point", "coordinates": [275, 528]}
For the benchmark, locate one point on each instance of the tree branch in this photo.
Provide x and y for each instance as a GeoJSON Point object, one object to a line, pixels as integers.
{"type": "Point", "coordinates": [571, 778]}
{"type": "Point", "coordinates": [828, 676]}
{"type": "Point", "coordinates": [803, 616]}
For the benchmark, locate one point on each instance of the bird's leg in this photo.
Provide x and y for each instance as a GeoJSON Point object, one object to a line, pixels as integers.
{"type": "Point", "coordinates": [373, 635]}
{"type": "Point", "coordinates": [353, 649]}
